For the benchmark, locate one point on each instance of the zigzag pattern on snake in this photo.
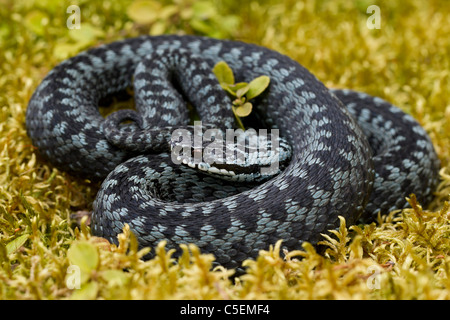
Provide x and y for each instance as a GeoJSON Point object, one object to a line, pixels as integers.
{"type": "Point", "coordinates": [350, 161]}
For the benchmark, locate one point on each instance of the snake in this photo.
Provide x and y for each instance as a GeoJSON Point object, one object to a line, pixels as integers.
{"type": "Point", "coordinates": [343, 153]}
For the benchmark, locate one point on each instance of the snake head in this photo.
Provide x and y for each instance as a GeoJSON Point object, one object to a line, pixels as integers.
{"type": "Point", "coordinates": [232, 155]}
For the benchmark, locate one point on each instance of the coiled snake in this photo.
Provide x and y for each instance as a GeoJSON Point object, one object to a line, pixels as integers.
{"type": "Point", "coordinates": [332, 169]}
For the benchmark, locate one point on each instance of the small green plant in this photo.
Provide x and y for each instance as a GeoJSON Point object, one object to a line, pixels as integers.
{"type": "Point", "coordinates": [243, 91]}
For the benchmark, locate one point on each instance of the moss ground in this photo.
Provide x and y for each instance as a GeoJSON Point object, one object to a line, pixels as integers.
{"type": "Point", "coordinates": [403, 256]}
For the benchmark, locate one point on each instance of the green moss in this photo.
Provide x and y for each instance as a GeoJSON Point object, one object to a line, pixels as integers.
{"type": "Point", "coordinates": [403, 256]}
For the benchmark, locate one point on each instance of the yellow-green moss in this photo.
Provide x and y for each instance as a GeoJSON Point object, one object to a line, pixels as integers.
{"type": "Point", "coordinates": [406, 61]}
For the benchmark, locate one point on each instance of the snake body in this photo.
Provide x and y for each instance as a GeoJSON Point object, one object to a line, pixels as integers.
{"type": "Point", "coordinates": [354, 160]}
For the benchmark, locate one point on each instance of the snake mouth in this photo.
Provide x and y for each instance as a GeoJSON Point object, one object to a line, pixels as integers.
{"type": "Point", "coordinates": [220, 169]}
{"type": "Point", "coordinates": [231, 154]}
{"type": "Point", "coordinates": [252, 165]}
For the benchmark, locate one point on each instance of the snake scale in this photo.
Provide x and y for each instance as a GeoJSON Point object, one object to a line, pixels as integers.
{"type": "Point", "coordinates": [352, 155]}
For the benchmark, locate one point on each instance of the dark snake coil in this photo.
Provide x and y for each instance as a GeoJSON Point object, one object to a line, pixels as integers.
{"type": "Point", "coordinates": [352, 161]}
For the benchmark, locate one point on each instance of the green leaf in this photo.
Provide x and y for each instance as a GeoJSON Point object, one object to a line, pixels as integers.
{"type": "Point", "coordinates": [15, 244]}
{"type": "Point", "coordinates": [159, 27]}
{"type": "Point", "coordinates": [86, 34]}
{"type": "Point", "coordinates": [144, 11]}
{"type": "Point", "coordinates": [223, 73]}
{"type": "Point", "coordinates": [84, 255]}
{"type": "Point", "coordinates": [241, 91]}
{"type": "Point", "coordinates": [115, 277]}
{"type": "Point", "coordinates": [36, 21]}
{"type": "Point", "coordinates": [244, 110]}
{"type": "Point", "coordinates": [65, 50]}
{"type": "Point", "coordinates": [233, 88]}
{"type": "Point", "coordinates": [204, 9]}
{"type": "Point", "coordinates": [230, 23]}
{"type": "Point", "coordinates": [201, 26]}
{"type": "Point", "coordinates": [257, 86]}
{"type": "Point", "coordinates": [88, 291]}
{"type": "Point", "coordinates": [228, 88]}
{"type": "Point", "coordinates": [168, 11]}
{"type": "Point", "coordinates": [239, 85]}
